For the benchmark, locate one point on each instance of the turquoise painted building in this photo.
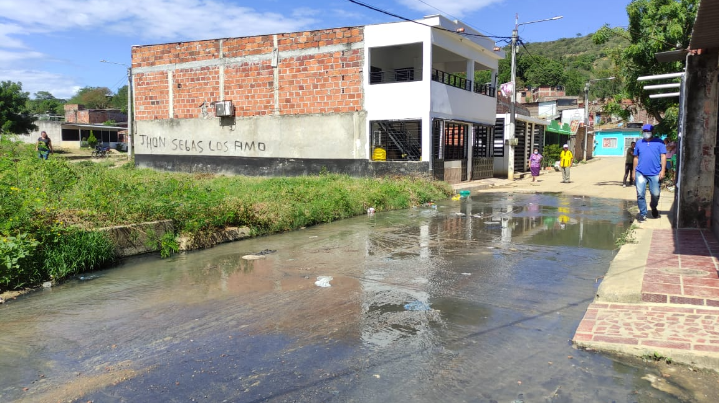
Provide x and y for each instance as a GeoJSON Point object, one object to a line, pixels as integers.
{"type": "Point", "coordinates": [614, 142]}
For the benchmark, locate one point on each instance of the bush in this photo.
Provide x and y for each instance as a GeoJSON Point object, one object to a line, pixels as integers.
{"type": "Point", "coordinates": [91, 140]}
{"type": "Point", "coordinates": [551, 154]}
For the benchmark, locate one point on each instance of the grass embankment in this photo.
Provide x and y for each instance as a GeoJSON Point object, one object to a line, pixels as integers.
{"type": "Point", "coordinates": [50, 209]}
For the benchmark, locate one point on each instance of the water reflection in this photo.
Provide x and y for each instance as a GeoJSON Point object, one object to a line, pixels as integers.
{"type": "Point", "coordinates": [425, 304]}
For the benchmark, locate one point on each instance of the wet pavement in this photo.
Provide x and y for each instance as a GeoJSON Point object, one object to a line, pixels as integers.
{"type": "Point", "coordinates": [467, 301]}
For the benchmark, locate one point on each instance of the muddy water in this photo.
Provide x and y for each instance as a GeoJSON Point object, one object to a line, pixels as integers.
{"type": "Point", "coordinates": [472, 301]}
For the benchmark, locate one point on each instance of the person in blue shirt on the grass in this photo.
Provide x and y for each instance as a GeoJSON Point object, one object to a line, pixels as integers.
{"type": "Point", "coordinates": [648, 169]}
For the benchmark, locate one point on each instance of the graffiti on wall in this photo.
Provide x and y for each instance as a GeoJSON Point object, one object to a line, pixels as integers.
{"type": "Point", "coordinates": [161, 143]}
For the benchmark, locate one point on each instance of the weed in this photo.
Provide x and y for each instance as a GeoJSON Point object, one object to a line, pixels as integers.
{"type": "Point", "coordinates": [628, 236]}
{"type": "Point", "coordinates": [657, 357]}
{"type": "Point", "coordinates": [168, 245]}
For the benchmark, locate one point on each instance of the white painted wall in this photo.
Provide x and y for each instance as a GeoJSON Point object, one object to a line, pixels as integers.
{"type": "Point", "coordinates": [334, 136]}
{"type": "Point", "coordinates": [453, 103]}
{"type": "Point", "coordinates": [425, 99]}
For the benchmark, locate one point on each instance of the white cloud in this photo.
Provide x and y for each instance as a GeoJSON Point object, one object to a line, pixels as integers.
{"type": "Point", "coordinates": [33, 81]}
{"type": "Point", "coordinates": [12, 58]}
{"type": "Point", "coordinates": [5, 40]}
{"type": "Point", "coordinates": [167, 20]}
{"type": "Point", "coordinates": [455, 8]}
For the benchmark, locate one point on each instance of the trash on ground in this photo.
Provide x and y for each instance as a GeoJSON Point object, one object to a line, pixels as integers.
{"type": "Point", "coordinates": [417, 306]}
{"type": "Point", "coordinates": [456, 197]}
{"type": "Point", "coordinates": [253, 257]}
{"type": "Point", "coordinates": [466, 274]}
{"type": "Point", "coordinates": [266, 252]}
{"type": "Point", "coordinates": [371, 211]}
{"type": "Point", "coordinates": [323, 281]}
{"type": "Point", "coordinates": [47, 284]}
{"type": "Point", "coordinates": [464, 193]}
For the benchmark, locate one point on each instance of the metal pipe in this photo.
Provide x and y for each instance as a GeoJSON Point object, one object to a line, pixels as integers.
{"type": "Point", "coordinates": [660, 76]}
{"type": "Point", "coordinates": [666, 95]}
{"type": "Point", "coordinates": [661, 86]}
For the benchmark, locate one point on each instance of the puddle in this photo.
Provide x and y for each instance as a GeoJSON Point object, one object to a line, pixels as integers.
{"type": "Point", "coordinates": [425, 305]}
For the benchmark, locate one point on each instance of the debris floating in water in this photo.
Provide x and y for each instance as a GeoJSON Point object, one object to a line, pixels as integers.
{"type": "Point", "coordinates": [417, 306]}
{"type": "Point", "coordinates": [323, 281]}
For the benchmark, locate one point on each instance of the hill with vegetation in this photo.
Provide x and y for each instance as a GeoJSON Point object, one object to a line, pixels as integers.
{"type": "Point", "coordinates": [569, 62]}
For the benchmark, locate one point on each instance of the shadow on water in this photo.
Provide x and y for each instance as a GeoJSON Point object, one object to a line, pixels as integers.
{"type": "Point", "coordinates": [474, 300]}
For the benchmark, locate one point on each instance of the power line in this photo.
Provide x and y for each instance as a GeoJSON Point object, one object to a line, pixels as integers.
{"type": "Point", "coordinates": [420, 23]}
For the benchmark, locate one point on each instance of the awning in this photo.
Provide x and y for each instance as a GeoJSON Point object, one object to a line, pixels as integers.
{"type": "Point", "coordinates": [555, 127]}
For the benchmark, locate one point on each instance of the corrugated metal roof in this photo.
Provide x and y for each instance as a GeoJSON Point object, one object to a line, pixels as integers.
{"type": "Point", "coordinates": [705, 30]}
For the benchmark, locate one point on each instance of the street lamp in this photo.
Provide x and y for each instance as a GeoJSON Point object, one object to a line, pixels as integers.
{"type": "Point", "coordinates": [513, 98]}
{"type": "Point", "coordinates": [129, 107]}
{"type": "Point", "coordinates": [586, 121]}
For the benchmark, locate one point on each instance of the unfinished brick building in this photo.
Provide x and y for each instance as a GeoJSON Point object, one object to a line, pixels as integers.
{"type": "Point", "coordinates": [358, 100]}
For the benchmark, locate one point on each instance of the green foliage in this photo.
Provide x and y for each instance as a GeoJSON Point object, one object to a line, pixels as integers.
{"type": "Point", "coordinates": [93, 97]}
{"type": "Point", "coordinates": [45, 103]}
{"type": "Point", "coordinates": [168, 245]}
{"type": "Point", "coordinates": [654, 26]}
{"type": "Point", "coordinates": [15, 252]}
{"type": "Point", "coordinates": [627, 237]}
{"type": "Point", "coordinates": [59, 203]}
{"type": "Point", "coordinates": [91, 140]}
{"type": "Point", "coordinates": [120, 99]}
{"type": "Point", "coordinates": [551, 153]}
{"type": "Point", "coordinates": [14, 115]}
{"type": "Point", "coordinates": [110, 122]}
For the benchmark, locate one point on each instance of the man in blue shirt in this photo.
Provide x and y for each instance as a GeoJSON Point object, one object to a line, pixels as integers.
{"type": "Point", "coordinates": [648, 169]}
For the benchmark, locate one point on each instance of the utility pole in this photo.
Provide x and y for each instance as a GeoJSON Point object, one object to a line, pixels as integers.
{"type": "Point", "coordinates": [513, 97]}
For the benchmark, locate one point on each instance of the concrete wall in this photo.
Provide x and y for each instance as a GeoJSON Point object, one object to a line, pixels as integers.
{"type": "Point", "coordinates": [332, 136]}
{"type": "Point", "coordinates": [53, 129]}
{"type": "Point", "coordinates": [697, 186]}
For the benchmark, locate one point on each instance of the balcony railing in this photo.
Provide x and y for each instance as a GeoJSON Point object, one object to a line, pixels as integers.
{"type": "Point", "coordinates": [484, 89]}
{"type": "Point", "coordinates": [451, 80]}
{"type": "Point", "coordinates": [395, 76]}
{"type": "Point", "coordinates": [412, 74]}
{"type": "Point", "coordinates": [462, 83]}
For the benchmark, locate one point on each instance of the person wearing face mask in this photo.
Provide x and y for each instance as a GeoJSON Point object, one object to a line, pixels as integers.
{"type": "Point", "coordinates": [534, 163]}
{"type": "Point", "coordinates": [648, 170]}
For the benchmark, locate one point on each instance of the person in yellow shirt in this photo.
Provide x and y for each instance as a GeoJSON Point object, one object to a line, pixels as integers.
{"type": "Point", "coordinates": [566, 161]}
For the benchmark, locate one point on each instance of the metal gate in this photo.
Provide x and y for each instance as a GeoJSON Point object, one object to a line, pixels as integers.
{"type": "Point", "coordinates": [482, 161]}
{"type": "Point", "coordinates": [438, 163]}
{"type": "Point", "coordinates": [522, 154]}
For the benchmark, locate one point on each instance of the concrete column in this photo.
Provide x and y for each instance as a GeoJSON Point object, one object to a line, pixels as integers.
{"type": "Point", "coordinates": [696, 185]}
{"type": "Point", "coordinates": [470, 71]}
{"type": "Point", "coordinates": [471, 141]}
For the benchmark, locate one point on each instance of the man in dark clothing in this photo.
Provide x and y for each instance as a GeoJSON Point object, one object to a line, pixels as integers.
{"type": "Point", "coordinates": [629, 157]}
{"type": "Point", "coordinates": [649, 170]}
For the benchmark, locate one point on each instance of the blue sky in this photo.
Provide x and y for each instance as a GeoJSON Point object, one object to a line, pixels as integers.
{"type": "Point", "coordinates": [57, 45]}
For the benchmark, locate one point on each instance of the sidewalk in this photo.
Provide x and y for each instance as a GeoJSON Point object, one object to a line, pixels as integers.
{"type": "Point", "coordinates": [659, 296]}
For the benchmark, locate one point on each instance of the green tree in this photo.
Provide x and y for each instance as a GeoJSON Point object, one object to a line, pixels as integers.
{"type": "Point", "coordinates": [93, 97]}
{"type": "Point", "coordinates": [14, 116]}
{"type": "Point", "coordinates": [120, 100]}
{"type": "Point", "coordinates": [654, 26]}
{"type": "Point", "coordinates": [543, 71]}
{"type": "Point", "coordinates": [45, 102]}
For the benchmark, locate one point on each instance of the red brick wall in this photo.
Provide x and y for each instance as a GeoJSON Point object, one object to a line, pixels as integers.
{"type": "Point", "coordinates": [316, 82]}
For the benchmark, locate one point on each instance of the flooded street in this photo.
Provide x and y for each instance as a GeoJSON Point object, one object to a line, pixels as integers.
{"type": "Point", "coordinates": [467, 301]}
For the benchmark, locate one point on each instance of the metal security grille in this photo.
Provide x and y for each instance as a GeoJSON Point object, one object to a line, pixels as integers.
{"type": "Point", "coordinates": [438, 164]}
{"type": "Point", "coordinates": [521, 149]}
{"type": "Point", "coordinates": [483, 135]}
{"type": "Point", "coordinates": [482, 162]}
{"type": "Point", "coordinates": [498, 147]}
{"type": "Point", "coordinates": [400, 139]}
{"type": "Point", "coordinates": [539, 138]}
{"type": "Point", "coordinates": [455, 141]}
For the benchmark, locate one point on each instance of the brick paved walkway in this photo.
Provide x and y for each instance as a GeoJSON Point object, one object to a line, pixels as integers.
{"type": "Point", "coordinates": [682, 268]}
{"type": "Point", "coordinates": [679, 315]}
